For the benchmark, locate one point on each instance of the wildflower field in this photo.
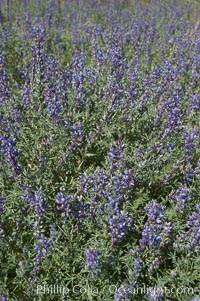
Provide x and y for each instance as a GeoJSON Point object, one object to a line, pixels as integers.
{"type": "Point", "coordinates": [99, 150]}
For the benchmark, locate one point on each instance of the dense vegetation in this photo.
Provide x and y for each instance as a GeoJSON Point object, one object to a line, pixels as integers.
{"type": "Point", "coordinates": [99, 150]}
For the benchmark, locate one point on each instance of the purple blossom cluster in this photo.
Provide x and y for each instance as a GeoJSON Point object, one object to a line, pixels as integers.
{"type": "Point", "coordinates": [106, 193]}
{"type": "Point", "coordinates": [4, 81]}
{"type": "Point", "coordinates": [122, 294]}
{"type": "Point", "coordinates": [116, 154]}
{"type": "Point", "coordinates": [119, 225]}
{"type": "Point", "coordinates": [180, 197]}
{"type": "Point", "coordinates": [156, 228]}
{"type": "Point", "coordinates": [191, 139]}
{"type": "Point", "coordinates": [190, 238]}
{"type": "Point", "coordinates": [42, 242]}
{"type": "Point", "coordinates": [154, 265]}
{"type": "Point", "coordinates": [72, 206]}
{"type": "Point", "coordinates": [62, 201]}
{"type": "Point", "coordinates": [137, 269]}
{"type": "Point", "coordinates": [92, 261]}
{"type": "Point", "coordinates": [1, 204]}
{"type": "Point", "coordinates": [195, 298]}
{"type": "Point", "coordinates": [194, 103]}
{"type": "Point", "coordinates": [155, 294]}
{"type": "Point", "coordinates": [55, 81]}
{"type": "Point", "coordinates": [77, 134]}
{"type": "Point", "coordinates": [8, 148]}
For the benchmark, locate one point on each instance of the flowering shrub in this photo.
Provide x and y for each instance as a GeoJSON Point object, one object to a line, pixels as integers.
{"type": "Point", "coordinates": [99, 150]}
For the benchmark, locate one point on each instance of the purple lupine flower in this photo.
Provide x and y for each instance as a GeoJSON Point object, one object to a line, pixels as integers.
{"type": "Point", "coordinates": [78, 208]}
{"type": "Point", "coordinates": [80, 99]}
{"type": "Point", "coordinates": [26, 88]}
{"type": "Point", "coordinates": [38, 33]}
{"type": "Point", "coordinates": [67, 121]}
{"type": "Point", "coordinates": [188, 173]}
{"type": "Point", "coordinates": [85, 183]}
{"type": "Point", "coordinates": [156, 230]}
{"type": "Point", "coordinates": [166, 229]}
{"type": "Point", "coordinates": [49, 13]}
{"type": "Point", "coordinates": [154, 210]}
{"type": "Point", "coordinates": [151, 235]}
{"type": "Point", "coordinates": [115, 154]}
{"type": "Point", "coordinates": [97, 30]}
{"type": "Point", "coordinates": [169, 113]}
{"type": "Point", "coordinates": [41, 246]}
{"type": "Point", "coordinates": [28, 22]}
{"type": "Point", "coordinates": [170, 146]}
{"type": "Point", "coordinates": [1, 17]}
{"type": "Point", "coordinates": [92, 262]}
{"type": "Point", "coordinates": [77, 134]}
{"type": "Point", "coordinates": [123, 180]}
{"type": "Point", "coordinates": [194, 103]}
{"type": "Point", "coordinates": [3, 298]}
{"type": "Point", "coordinates": [96, 209]}
{"type": "Point", "coordinates": [79, 60]}
{"type": "Point", "coordinates": [116, 90]}
{"type": "Point", "coordinates": [112, 187]}
{"type": "Point", "coordinates": [42, 243]}
{"type": "Point", "coordinates": [194, 227]}
{"type": "Point", "coordinates": [116, 58]}
{"type": "Point", "coordinates": [38, 203]}
{"type": "Point", "coordinates": [53, 71]}
{"type": "Point", "coordinates": [8, 148]}
{"type": "Point", "coordinates": [63, 202]}
{"type": "Point", "coordinates": [68, 76]}
{"type": "Point", "coordinates": [155, 293]}
{"type": "Point", "coordinates": [53, 104]}
{"type": "Point", "coordinates": [100, 54]}
{"type": "Point", "coordinates": [122, 293]}
{"type": "Point", "coordinates": [154, 265]}
{"type": "Point", "coordinates": [191, 138]}
{"type": "Point", "coordinates": [101, 182]}
{"type": "Point", "coordinates": [62, 85]}
{"type": "Point", "coordinates": [190, 239]}
{"type": "Point", "coordinates": [137, 267]}
{"type": "Point", "coordinates": [119, 225]}
{"type": "Point", "coordinates": [78, 78]}
{"type": "Point", "coordinates": [75, 208]}
{"type": "Point", "coordinates": [196, 298]}
{"type": "Point", "coordinates": [180, 196]}
{"type": "Point", "coordinates": [4, 81]}
{"type": "Point", "coordinates": [38, 58]}
{"type": "Point", "coordinates": [197, 169]}
{"type": "Point", "coordinates": [173, 119]}
{"type": "Point", "coordinates": [55, 88]}
{"type": "Point", "coordinates": [1, 204]}
{"type": "Point", "coordinates": [114, 202]}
